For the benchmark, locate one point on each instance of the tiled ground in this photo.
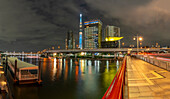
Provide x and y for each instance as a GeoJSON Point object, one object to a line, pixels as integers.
{"type": "Point", "coordinates": [146, 81]}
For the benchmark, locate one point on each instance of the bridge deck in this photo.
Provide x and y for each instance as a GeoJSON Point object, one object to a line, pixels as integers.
{"type": "Point", "coordinates": [146, 81]}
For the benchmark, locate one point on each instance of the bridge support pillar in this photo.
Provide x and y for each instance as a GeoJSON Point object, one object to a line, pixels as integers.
{"type": "Point", "coordinates": [115, 55]}
{"type": "Point", "coordinates": [92, 55]}
{"type": "Point", "coordinates": [39, 73]}
{"type": "Point", "coordinates": [75, 55]}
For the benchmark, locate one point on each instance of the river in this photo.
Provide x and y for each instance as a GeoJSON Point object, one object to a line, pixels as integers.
{"type": "Point", "coordinates": [68, 79]}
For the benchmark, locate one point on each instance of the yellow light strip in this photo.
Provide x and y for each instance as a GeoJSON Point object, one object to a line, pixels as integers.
{"type": "Point", "coordinates": [113, 38]}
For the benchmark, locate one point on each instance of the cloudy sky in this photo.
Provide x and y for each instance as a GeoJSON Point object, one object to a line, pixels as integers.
{"type": "Point", "coordinates": [33, 25]}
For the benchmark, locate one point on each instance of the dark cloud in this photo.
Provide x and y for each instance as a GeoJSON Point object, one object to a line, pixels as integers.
{"type": "Point", "coordinates": [149, 18]}
{"type": "Point", "coordinates": [33, 25]}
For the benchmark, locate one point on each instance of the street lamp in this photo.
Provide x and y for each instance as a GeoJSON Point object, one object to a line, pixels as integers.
{"type": "Point", "coordinates": [139, 38]}
{"type": "Point", "coordinates": [123, 44]}
{"type": "Point", "coordinates": [58, 47]}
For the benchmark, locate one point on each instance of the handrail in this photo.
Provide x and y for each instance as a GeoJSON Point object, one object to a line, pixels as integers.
{"type": "Point", "coordinates": [115, 89]}
{"type": "Point", "coordinates": [156, 60]}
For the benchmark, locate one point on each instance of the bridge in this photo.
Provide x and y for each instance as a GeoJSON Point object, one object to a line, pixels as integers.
{"type": "Point", "coordinates": [144, 77]}
{"type": "Point", "coordinates": [108, 50]}
{"type": "Point", "coordinates": [20, 54]}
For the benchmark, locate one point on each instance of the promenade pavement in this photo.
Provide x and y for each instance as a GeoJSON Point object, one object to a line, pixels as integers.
{"type": "Point", "coordinates": [147, 81]}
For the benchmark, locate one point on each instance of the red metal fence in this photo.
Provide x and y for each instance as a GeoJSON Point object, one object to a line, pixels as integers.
{"type": "Point", "coordinates": [115, 89]}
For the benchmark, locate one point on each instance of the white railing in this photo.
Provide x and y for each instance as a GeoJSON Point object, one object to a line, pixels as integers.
{"type": "Point", "coordinates": [158, 61]}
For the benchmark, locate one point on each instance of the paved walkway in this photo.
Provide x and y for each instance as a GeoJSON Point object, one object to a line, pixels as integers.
{"type": "Point", "coordinates": [146, 81]}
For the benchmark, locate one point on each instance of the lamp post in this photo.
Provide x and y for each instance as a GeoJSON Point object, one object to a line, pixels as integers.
{"type": "Point", "coordinates": [139, 38]}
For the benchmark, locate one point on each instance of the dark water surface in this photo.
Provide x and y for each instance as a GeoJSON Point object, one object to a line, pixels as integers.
{"type": "Point", "coordinates": [69, 79]}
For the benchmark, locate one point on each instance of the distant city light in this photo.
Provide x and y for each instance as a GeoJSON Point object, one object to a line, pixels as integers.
{"type": "Point", "coordinates": [58, 47]}
{"type": "Point", "coordinates": [54, 54]}
{"type": "Point", "coordinates": [140, 38]}
{"type": "Point", "coordinates": [1, 72]}
{"type": "Point", "coordinates": [82, 53]}
{"type": "Point", "coordinates": [123, 43]}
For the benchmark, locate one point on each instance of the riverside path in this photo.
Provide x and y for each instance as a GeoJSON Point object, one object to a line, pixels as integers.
{"type": "Point", "coordinates": [147, 81]}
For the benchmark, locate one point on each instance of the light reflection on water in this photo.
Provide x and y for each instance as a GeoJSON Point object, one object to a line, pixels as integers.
{"type": "Point", "coordinates": [70, 79]}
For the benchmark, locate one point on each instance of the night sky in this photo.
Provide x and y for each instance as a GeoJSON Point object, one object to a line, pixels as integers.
{"type": "Point", "coordinates": [34, 25]}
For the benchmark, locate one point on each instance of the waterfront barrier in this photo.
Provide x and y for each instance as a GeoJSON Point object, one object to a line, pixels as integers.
{"type": "Point", "coordinates": [156, 60]}
{"type": "Point", "coordinates": [115, 90]}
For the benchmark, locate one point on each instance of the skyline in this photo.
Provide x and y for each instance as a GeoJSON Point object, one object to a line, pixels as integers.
{"type": "Point", "coordinates": [36, 25]}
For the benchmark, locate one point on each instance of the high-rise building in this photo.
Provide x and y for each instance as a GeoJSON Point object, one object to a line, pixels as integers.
{"type": "Point", "coordinates": [112, 31]}
{"type": "Point", "coordinates": [74, 44]}
{"type": "Point", "coordinates": [70, 40]}
{"type": "Point", "coordinates": [81, 33]}
{"type": "Point", "coordinates": [66, 43]}
{"type": "Point", "coordinates": [92, 34]}
{"type": "Point", "coordinates": [112, 37]}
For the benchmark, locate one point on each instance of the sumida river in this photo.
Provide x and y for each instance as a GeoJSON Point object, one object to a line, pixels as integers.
{"type": "Point", "coordinates": [68, 79]}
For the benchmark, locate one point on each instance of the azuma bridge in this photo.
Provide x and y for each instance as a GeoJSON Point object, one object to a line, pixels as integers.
{"type": "Point", "coordinates": [108, 50]}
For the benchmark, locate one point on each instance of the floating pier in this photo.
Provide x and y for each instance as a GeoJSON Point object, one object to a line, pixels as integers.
{"type": "Point", "coordinates": [23, 72]}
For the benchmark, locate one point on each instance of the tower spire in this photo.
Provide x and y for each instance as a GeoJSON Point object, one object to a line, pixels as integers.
{"type": "Point", "coordinates": [80, 33]}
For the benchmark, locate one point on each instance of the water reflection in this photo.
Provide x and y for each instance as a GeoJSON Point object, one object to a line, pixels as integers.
{"type": "Point", "coordinates": [73, 78]}
{"type": "Point", "coordinates": [54, 69]}
{"type": "Point", "coordinates": [117, 64]}
{"type": "Point", "coordinates": [107, 64]}
{"type": "Point", "coordinates": [71, 64]}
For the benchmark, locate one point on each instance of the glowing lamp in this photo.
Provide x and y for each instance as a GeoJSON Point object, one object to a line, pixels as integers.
{"type": "Point", "coordinates": [140, 38]}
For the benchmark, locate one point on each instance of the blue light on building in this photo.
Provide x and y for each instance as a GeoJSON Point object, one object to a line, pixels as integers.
{"type": "Point", "coordinates": [91, 22]}
{"type": "Point", "coordinates": [80, 41]}
{"type": "Point", "coordinates": [80, 33]}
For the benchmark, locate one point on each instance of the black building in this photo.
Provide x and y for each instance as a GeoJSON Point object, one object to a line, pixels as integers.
{"type": "Point", "coordinates": [110, 44]}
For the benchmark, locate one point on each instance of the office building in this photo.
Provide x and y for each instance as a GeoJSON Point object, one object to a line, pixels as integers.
{"type": "Point", "coordinates": [92, 34]}
{"type": "Point", "coordinates": [112, 31]}
{"type": "Point", "coordinates": [110, 44]}
{"type": "Point", "coordinates": [112, 37]}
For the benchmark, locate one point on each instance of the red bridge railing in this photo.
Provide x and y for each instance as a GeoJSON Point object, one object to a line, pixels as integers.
{"type": "Point", "coordinates": [115, 90]}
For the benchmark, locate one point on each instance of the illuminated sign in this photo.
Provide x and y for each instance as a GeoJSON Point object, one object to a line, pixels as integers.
{"type": "Point", "coordinates": [113, 38]}
{"type": "Point", "coordinates": [91, 22]}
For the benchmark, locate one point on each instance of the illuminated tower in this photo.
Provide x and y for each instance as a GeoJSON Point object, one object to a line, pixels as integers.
{"type": "Point", "coordinates": [80, 33]}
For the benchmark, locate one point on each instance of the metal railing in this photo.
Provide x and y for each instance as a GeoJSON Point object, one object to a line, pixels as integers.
{"type": "Point", "coordinates": [158, 61]}
{"type": "Point", "coordinates": [115, 90]}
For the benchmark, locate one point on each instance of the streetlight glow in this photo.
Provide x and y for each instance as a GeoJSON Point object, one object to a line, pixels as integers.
{"type": "Point", "coordinates": [140, 38]}
{"type": "Point", "coordinates": [58, 47]}
{"type": "Point", "coordinates": [137, 38]}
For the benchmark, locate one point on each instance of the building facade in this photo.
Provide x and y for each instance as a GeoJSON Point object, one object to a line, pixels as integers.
{"type": "Point", "coordinates": [109, 44]}
{"type": "Point", "coordinates": [70, 41]}
{"type": "Point", "coordinates": [112, 37]}
{"type": "Point", "coordinates": [112, 31]}
{"type": "Point", "coordinates": [92, 34]}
